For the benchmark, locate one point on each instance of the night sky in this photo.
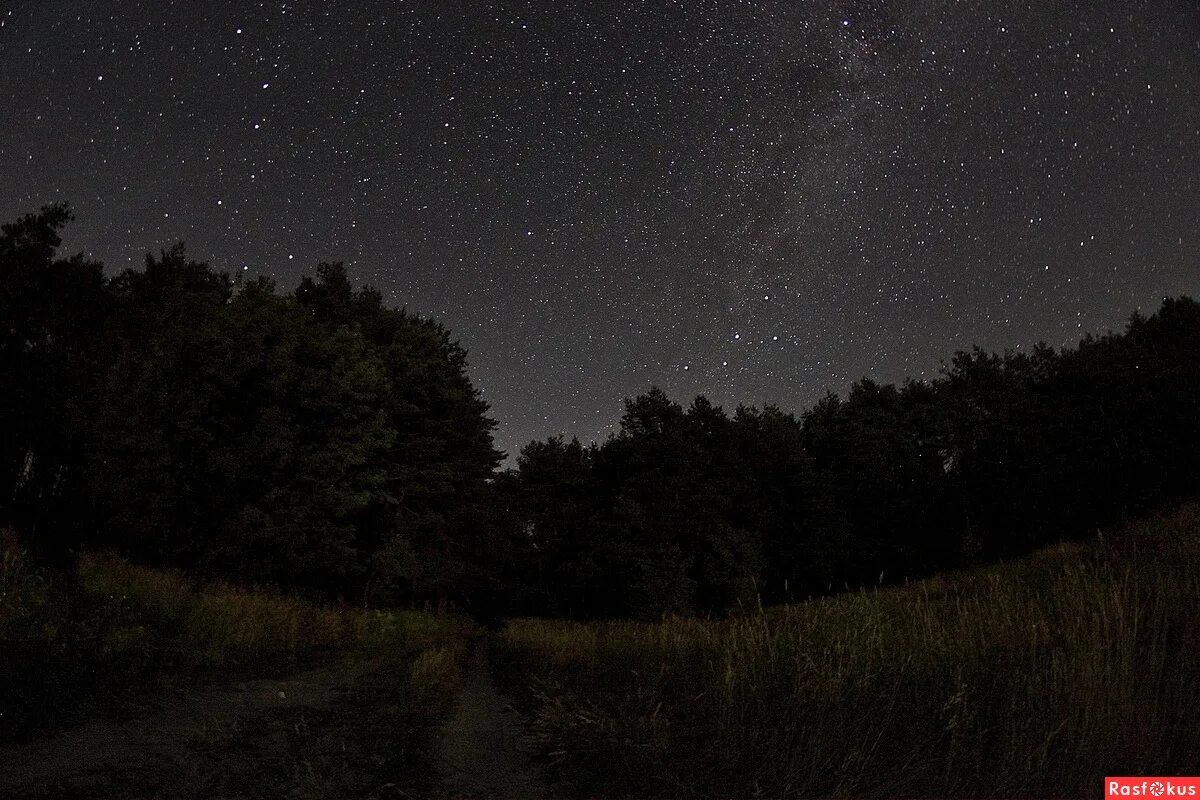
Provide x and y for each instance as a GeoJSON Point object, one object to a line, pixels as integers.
{"type": "Point", "coordinates": [761, 202]}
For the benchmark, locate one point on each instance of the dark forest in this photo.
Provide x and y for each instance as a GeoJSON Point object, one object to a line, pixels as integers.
{"type": "Point", "coordinates": [322, 442]}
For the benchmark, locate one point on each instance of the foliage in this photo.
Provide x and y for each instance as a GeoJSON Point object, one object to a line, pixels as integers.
{"type": "Point", "coordinates": [695, 511]}
{"type": "Point", "coordinates": [321, 441]}
{"type": "Point", "coordinates": [318, 441]}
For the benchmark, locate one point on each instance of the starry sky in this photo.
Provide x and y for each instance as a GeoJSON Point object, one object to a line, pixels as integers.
{"type": "Point", "coordinates": [758, 201]}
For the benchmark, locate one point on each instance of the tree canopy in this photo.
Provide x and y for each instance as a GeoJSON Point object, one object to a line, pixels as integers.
{"type": "Point", "coordinates": [698, 511]}
{"type": "Point", "coordinates": [324, 442]}
{"type": "Point", "coordinates": [317, 440]}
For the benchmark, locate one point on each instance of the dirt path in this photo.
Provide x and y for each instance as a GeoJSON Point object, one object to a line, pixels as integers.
{"type": "Point", "coordinates": [337, 731]}
{"type": "Point", "coordinates": [485, 750]}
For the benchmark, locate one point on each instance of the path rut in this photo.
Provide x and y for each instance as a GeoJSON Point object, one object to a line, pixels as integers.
{"type": "Point", "coordinates": [485, 748]}
{"type": "Point", "coordinates": [337, 731]}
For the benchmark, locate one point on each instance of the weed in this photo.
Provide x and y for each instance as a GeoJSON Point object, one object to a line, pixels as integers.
{"type": "Point", "coordinates": [1032, 678]}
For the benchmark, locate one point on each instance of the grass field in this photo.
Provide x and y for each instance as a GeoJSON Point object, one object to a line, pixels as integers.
{"type": "Point", "coordinates": [120, 629]}
{"type": "Point", "coordinates": [1032, 678]}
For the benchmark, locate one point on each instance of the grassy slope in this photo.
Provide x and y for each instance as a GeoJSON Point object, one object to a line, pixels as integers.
{"type": "Point", "coordinates": [1035, 678]}
{"type": "Point", "coordinates": [123, 629]}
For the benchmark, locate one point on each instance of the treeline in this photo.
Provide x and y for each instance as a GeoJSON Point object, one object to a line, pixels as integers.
{"type": "Point", "coordinates": [324, 442]}
{"type": "Point", "coordinates": [317, 440]}
{"type": "Point", "coordinates": [697, 510]}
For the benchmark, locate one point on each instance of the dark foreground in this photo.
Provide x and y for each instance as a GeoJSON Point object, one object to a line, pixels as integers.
{"type": "Point", "coordinates": [1034, 678]}
{"type": "Point", "coordinates": [344, 730]}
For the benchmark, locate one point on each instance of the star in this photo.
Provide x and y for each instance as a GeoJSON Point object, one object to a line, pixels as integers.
{"type": "Point", "coordinates": [881, 182]}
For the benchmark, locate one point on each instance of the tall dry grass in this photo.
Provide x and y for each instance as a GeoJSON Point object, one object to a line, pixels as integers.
{"type": "Point", "coordinates": [1034, 678]}
{"type": "Point", "coordinates": [218, 624]}
{"type": "Point", "coordinates": [119, 627]}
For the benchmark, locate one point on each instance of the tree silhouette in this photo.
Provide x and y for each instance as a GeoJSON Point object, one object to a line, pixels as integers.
{"type": "Point", "coordinates": [325, 442]}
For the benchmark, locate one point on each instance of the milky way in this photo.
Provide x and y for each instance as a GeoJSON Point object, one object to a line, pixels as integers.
{"type": "Point", "coordinates": [761, 202]}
